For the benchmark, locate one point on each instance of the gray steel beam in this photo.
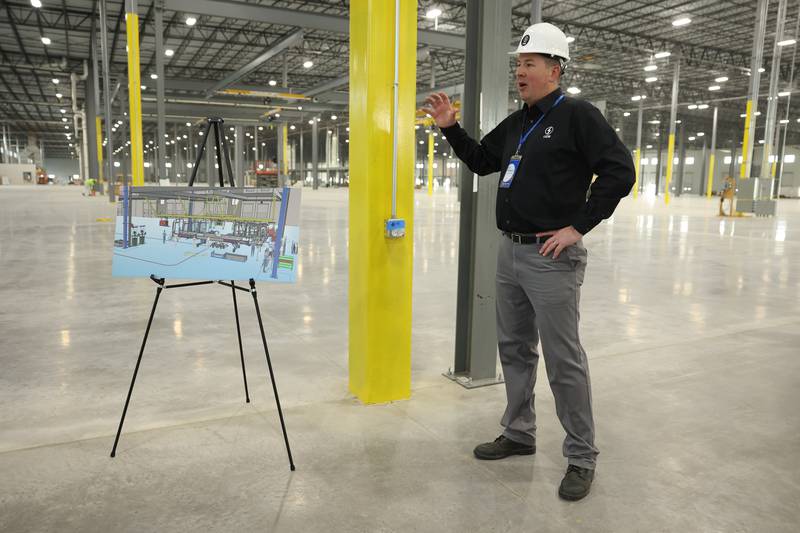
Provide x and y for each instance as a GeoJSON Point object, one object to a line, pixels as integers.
{"type": "Point", "coordinates": [638, 163]}
{"type": "Point", "coordinates": [161, 169]}
{"type": "Point", "coordinates": [315, 154]}
{"type": "Point", "coordinates": [484, 105]}
{"type": "Point", "coordinates": [772, 98]}
{"type": "Point", "coordinates": [293, 17]}
{"type": "Point", "coordinates": [285, 43]}
{"type": "Point", "coordinates": [238, 164]}
{"type": "Point", "coordinates": [536, 11]}
{"type": "Point", "coordinates": [107, 102]}
{"type": "Point", "coordinates": [712, 153]}
{"type": "Point", "coordinates": [755, 80]}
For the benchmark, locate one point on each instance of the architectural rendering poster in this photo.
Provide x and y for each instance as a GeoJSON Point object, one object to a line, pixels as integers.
{"type": "Point", "coordinates": [208, 233]}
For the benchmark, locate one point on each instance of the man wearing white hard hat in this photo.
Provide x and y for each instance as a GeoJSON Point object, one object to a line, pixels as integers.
{"type": "Point", "coordinates": [547, 154]}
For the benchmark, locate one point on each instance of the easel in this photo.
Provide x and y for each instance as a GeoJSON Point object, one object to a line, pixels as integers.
{"type": "Point", "coordinates": [220, 143]}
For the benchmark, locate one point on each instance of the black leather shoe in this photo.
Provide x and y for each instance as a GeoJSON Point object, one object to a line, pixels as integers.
{"type": "Point", "coordinates": [576, 483]}
{"type": "Point", "coordinates": [501, 448]}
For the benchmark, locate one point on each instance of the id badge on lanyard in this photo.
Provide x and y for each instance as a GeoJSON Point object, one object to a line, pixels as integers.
{"type": "Point", "coordinates": [513, 164]}
{"type": "Point", "coordinates": [508, 177]}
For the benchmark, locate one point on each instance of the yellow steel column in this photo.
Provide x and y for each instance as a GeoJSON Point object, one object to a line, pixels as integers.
{"type": "Point", "coordinates": [670, 160]}
{"type": "Point", "coordinates": [134, 92]}
{"type": "Point", "coordinates": [746, 141]}
{"type": "Point", "coordinates": [430, 162]}
{"type": "Point", "coordinates": [99, 130]}
{"type": "Point", "coordinates": [380, 267]}
{"type": "Point", "coordinates": [710, 179]}
{"type": "Point", "coordinates": [285, 169]}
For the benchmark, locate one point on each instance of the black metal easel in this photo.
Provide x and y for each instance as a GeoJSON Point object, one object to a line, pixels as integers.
{"type": "Point", "coordinates": [220, 153]}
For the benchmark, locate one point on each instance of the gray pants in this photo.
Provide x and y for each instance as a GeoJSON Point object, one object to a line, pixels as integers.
{"type": "Point", "coordinates": [539, 296]}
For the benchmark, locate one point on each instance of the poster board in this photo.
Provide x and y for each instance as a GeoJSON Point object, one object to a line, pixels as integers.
{"type": "Point", "coordinates": [208, 233]}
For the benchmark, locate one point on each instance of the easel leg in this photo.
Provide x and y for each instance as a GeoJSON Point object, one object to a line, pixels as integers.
{"type": "Point", "coordinates": [239, 334]}
{"type": "Point", "coordinates": [271, 374]}
{"type": "Point", "coordinates": [136, 370]}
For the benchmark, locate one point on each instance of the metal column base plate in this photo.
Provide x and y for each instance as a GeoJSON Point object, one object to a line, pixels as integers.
{"type": "Point", "coordinates": [468, 383]}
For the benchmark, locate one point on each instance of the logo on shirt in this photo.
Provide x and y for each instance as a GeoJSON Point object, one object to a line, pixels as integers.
{"type": "Point", "coordinates": [548, 131]}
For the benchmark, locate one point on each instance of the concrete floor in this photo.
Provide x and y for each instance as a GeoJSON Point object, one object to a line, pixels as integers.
{"type": "Point", "coordinates": [691, 323]}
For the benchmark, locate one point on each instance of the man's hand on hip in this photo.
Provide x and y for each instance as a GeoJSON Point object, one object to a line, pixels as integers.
{"type": "Point", "coordinates": [440, 108]}
{"type": "Point", "coordinates": [559, 240]}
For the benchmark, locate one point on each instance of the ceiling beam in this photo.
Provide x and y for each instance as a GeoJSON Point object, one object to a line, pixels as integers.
{"type": "Point", "coordinates": [293, 17]}
{"type": "Point", "coordinates": [285, 43]}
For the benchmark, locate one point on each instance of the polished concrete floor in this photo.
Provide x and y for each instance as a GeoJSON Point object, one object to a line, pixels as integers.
{"type": "Point", "coordinates": [691, 323]}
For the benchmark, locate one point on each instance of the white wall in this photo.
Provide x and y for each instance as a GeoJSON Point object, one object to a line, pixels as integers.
{"type": "Point", "coordinates": [61, 168]}
{"type": "Point", "coordinates": [695, 173]}
{"type": "Point", "coordinates": [15, 174]}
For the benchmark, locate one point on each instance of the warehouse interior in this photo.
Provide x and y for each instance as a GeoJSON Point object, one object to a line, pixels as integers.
{"type": "Point", "coordinates": [384, 350]}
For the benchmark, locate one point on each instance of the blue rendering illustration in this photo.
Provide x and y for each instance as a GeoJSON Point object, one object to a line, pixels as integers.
{"type": "Point", "coordinates": [214, 233]}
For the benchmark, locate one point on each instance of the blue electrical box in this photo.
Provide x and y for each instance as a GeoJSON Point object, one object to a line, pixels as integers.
{"type": "Point", "coordinates": [395, 228]}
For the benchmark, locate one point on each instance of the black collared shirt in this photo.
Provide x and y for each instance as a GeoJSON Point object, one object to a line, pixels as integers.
{"type": "Point", "coordinates": [549, 190]}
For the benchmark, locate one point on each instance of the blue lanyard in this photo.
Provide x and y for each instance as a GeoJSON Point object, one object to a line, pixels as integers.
{"type": "Point", "coordinates": [527, 133]}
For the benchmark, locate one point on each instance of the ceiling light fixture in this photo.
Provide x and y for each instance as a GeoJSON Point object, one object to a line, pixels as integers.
{"type": "Point", "coordinates": [683, 21]}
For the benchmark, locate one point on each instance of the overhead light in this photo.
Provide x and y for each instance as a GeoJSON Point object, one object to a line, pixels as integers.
{"type": "Point", "coordinates": [36, 3]}
{"type": "Point", "coordinates": [169, 52]}
{"type": "Point", "coordinates": [784, 121]}
{"type": "Point", "coordinates": [683, 21]}
{"type": "Point", "coordinates": [261, 128]}
{"type": "Point", "coordinates": [702, 106]}
{"type": "Point", "coordinates": [153, 76]}
{"type": "Point", "coordinates": [743, 115]}
{"type": "Point", "coordinates": [277, 115]}
{"type": "Point", "coordinates": [308, 63]}
{"type": "Point", "coordinates": [654, 122]}
{"type": "Point", "coordinates": [721, 79]}
{"type": "Point", "coordinates": [784, 93]}
{"type": "Point", "coordinates": [433, 13]}
{"type": "Point", "coordinates": [787, 42]}
{"type": "Point", "coordinates": [191, 21]}
{"type": "Point", "coordinates": [573, 90]}
{"type": "Point", "coordinates": [59, 95]}
{"type": "Point", "coordinates": [63, 110]}
{"type": "Point", "coordinates": [757, 113]}
{"type": "Point", "coordinates": [46, 41]}
{"type": "Point", "coordinates": [762, 69]}
{"type": "Point", "coordinates": [273, 83]}
{"type": "Point", "coordinates": [651, 67]}
{"type": "Point", "coordinates": [651, 79]}
{"type": "Point", "coordinates": [311, 121]}
{"type": "Point", "coordinates": [55, 81]}
{"type": "Point", "coordinates": [299, 108]}
{"type": "Point", "coordinates": [292, 127]}
{"type": "Point", "coordinates": [662, 55]}
{"type": "Point", "coordinates": [570, 39]}
{"type": "Point", "coordinates": [649, 146]}
{"type": "Point", "coordinates": [692, 138]}
{"type": "Point", "coordinates": [714, 88]}
{"type": "Point", "coordinates": [639, 97]}
{"type": "Point", "coordinates": [761, 141]}
{"type": "Point", "coordinates": [144, 87]}
{"type": "Point", "coordinates": [692, 106]}
{"type": "Point", "coordinates": [701, 134]}
{"type": "Point", "coordinates": [63, 119]}
{"type": "Point", "coordinates": [189, 124]}
{"type": "Point", "coordinates": [626, 114]}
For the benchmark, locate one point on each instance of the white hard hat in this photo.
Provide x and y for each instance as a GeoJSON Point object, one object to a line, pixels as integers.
{"type": "Point", "coordinates": [543, 38]}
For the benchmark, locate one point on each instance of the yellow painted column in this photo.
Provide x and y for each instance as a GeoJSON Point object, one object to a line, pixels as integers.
{"type": "Point", "coordinates": [285, 169]}
{"type": "Point", "coordinates": [134, 93]}
{"type": "Point", "coordinates": [638, 165]}
{"type": "Point", "coordinates": [430, 163]}
{"type": "Point", "coordinates": [99, 130]}
{"type": "Point", "coordinates": [746, 141]}
{"type": "Point", "coordinates": [380, 267]}
{"type": "Point", "coordinates": [670, 160]}
{"type": "Point", "coordinates": [710, 180]}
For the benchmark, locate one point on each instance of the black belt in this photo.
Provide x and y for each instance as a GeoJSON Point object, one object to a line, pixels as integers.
{"type": "Point", "coordinates": [526, 239]}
